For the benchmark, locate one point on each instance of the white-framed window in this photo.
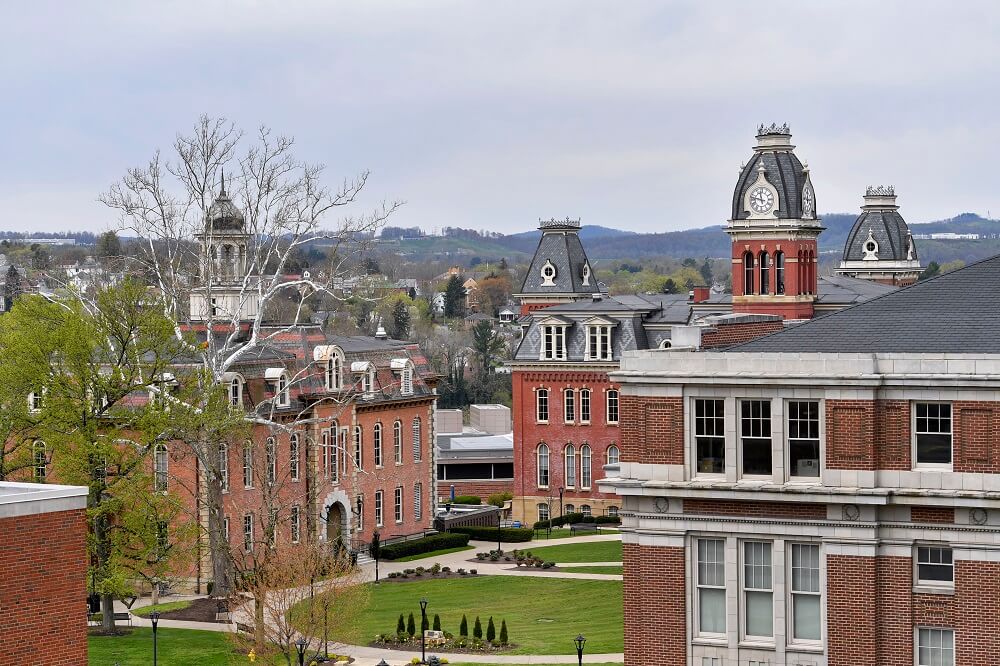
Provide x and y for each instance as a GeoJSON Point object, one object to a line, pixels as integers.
{"type": "Point", "coordinates": [358, 447]}
{"type": "Point", "coordinates": [586, 471]}
{"type": "Point", "coordinates": [418, 500]}
{"type": "Point", "coordinates": [368, 380]}
{"type": "Point", "coordinates": [398, 508]}
{"type": "Point", "coordinates": [806, 593]}
{"type": "Point", "coordinates": [295, 523]}
{"type": "Point", "coordinates": [803, 438]}
{"type": "Point", "coordinates": [248, 532]}
{"type": "Point", "coordinates": [554, 342]}
{"type": "Point", "coordinates": [569, 465]}
{"type": "Point", "coordinates": [584, 405]}
{"type": "Point", "coordinates": [542, 405]}
{"type": "Point", "coordinates": [248, 464]}
{"type": "Point", "coordinates": [755, 437]}
{"type": "Point", "coordinates": [225, 529]}
{"type": "Point", "coordinates": [36, 401]}
{"type": "Point", "coordinates": [224, 467]}
{"type": "Point", "coordinates": [932, 434]}
{"type": "Point", "coordinates": [935, 647]}
{"type": "Point", "coordinates": [417, 440]}
{"type": "Point", "coordinates": [40, 468]}
{"type": "Point", "coordinates": [325, 446]}
{"type": "Point", "coordinates": [935, 566]}
{"type": "Point", "coordinates": [378, 508]}
{"type": "Point", "coordinates": [570, 508]}
{"type": "Point", "coordinates": [406, 381]}
{"type": "Point", "coordinates": [397, 441]}
{"type": "Point", "coordinates": [236, 392]}
{"type": "Point", "coordinates": [569, 405]}
{"type": "Point", "coordinates": [542, 460]}
{"type": "Point", "coordinates": [283, 395]}
{"type": "Point", "coordinates": [710, 580]}
{"type": "Point", "coordinates": [758, 594]}
{"type": "Point", "coordinates": [710, 436]}
{"type": "Point", "coordinates": [548, 274]}
{"type": "Point", "coordinates": [543, 511]}
{"type": "Point", "coordinates": [293, 456]}
{"type": "Point", "coordinates": [599, 342]}
{"type": "Point", "coordinates": [612, 511]}
{"type": "Point", "coordinates": [161, 468]}
{"type": "Point", "coordinates": [334, 373]}
{"type": "Point", "coordinates": [377, 443]}
{"type": "Point", "coordinates": [613, 455]}
{"type": "Point", "coordinates": [271, 458]}
{"type": "Point", "coordinates": [586, 510]}
{"type": "Point", "coordinates": [612, 405]}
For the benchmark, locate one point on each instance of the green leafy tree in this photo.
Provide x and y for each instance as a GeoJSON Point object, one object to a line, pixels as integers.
{"type": "Point", "coordinates": [109, 246]}
{"type": "Point", "coordinates": [491, 630]}
{"type": "Point", "coordinates": [669, 286]}
{"type": "Point", "coordinates": [411, 626]}
{"type": "Point", "coordinates": [454, 298]}
{"type": "Point", "coordinates": [437, 622]}
{"type": "Point", "coordinates": [400, 626]}
{"type": "Point", "coordinates": [933, 268]}
{"type": "Point", "coordinates": [477, 630]}
{"type": "Point", "coordinates": [400, 320]}
{"type": "Point", "coordinates": [503, 632]}
{"type": "Point", "coordinates": [463, 628]}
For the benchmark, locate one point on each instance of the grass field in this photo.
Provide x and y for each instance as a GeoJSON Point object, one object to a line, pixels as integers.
{"type": "Point", "coordinates": [593, 551]}
{"type": "Point", "coordinates": [565, 533]}
{"type": "Point", "coordinates": [543, 614]}
{"type": "Point", "coordinates": [471, 664]}
{"type": "Point", "coordinates": [615, 571]}
{"type": "Point", "coordinates": [433, 553]}
{"type": "Point", "coordinates": [174, 647]}
{"type": "Point", "coordinates": [162, 608]}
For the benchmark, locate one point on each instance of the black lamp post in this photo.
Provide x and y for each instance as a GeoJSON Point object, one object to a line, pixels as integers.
{"type": "Point", "coordinates": [499, 517]}
{"type": "Point", "coordinates": [423, 622]}
{"type": "Point", "coordinates": [300, 645]}
{"type": "Point", "coordinates": [561, 491]}
{"type": "Point", "coordinates": [382, 663]}
{"type": "Point", "coordinates": [154, 617]}
{"type": "Point", "coordinates": [580, 642]}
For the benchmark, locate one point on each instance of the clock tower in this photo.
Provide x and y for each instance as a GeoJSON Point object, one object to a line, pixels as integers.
{"type": "Point", "coordinates": [774, 230]}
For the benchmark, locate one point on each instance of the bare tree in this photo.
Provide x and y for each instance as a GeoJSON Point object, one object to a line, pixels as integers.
{"type": "Point", "coordinates": [200, 248]}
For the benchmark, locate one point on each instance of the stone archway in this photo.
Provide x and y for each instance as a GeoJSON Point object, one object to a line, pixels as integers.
{"type": "Point", "coordinates": [336, 513]}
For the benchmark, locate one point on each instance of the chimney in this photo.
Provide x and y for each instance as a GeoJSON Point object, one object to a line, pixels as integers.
{"type": "Point", "coordinates": [700, 294]}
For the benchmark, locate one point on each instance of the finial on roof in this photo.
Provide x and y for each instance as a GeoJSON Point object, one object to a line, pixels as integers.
{"type": "Point", "coordinates": [880, 191]}
{"type": "Point", "coordinates": [773, 128]}
{"type": "Point", "coordinates": [222, 191]}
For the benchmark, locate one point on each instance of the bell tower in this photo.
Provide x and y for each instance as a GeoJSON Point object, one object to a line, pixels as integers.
{"type": "Point", "coordinates": [774, 230]}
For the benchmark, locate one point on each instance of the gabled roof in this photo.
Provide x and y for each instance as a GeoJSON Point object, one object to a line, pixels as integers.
{"type": "Point", "coordinates": [954, 313]}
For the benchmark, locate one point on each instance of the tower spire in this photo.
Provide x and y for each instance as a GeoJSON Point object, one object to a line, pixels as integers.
{"type": "Point", "coordinates": [222, 192]}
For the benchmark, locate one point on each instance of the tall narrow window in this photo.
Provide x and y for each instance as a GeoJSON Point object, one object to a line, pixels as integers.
{"type": "Point", "coordinates": [225, 529]}
{"type": "Point", "coordinates": [779, 272]}
{"type": "Point", "coordinates": [748, 273]}
{"type": "Point", "coordinates": [236, 392]}
{"type": "Point", "coordinates": [758, 597]}
{"type": "Point", "coordinates": [271, 454]}
{"type": "Point", "coordinates": [569, 453]}
{"type": "Point", "coordinates": [38, 451]}
{"type": "Point", "coordinates": [399, 504]}
{"type": "Point", "coordinates": [325, 450]}
{"type": "Point", "coordinates": [334, 371]}
{"type": "Point", "coordinates": [338, 442]}
{"type": "Point", "coordinates": [248, 464]}
{"type": "Point", "coordinates": [711, 583]}
{"type": "Point", "coordinates": [378, 508]}
{"type": "Point", "coordinates": [586, 474]}
{"type": "Point", "coordinates": [554, 343]}
{"type": "Point", "coordinates": [755, 436]}
{"type": "Point", "coordinates": [542, 405]}
{"type": "Point", "coordinates": [935, 647]}
{"type": "Point", "coordinates": [418, 453]}
{"type": "Point", "coordinates": [584, 405]}
{"type": "Point", "coordinates": [35, 401]}
{"type": "Point", "coordinates": [569, 405]}
{"type": "Point", "coordinates": [612, 406]}
{"type": "Point", "coordinates": [224, 466]}
{"type": "Point", "coordinates": [161, 464]}
{"type": "Point", "coordinates": [418, 500]}
{"type": "Point", "coordinates": [765, 269]}
{"type": "Point", "coordinates": [295, 523]}
{"type": "Point", "coordinates": [283, 395]}
{"type": "Point", "coordinates": [543, 511]}
{"type": "Point", "coordinates": [397, 441]}
{"type": "Point", "coordinates": [293, 456]}
{"type": "Point", "coordinates": [358, 450]}
{"type": "Point", "coordinates": [803, 438]}
{"type": "Point", "coordinates": [614, 454]}
{"type": "Point", "coordinates": [806, 607]}
{"type": "Point", "coordinates": [932, 433]}
{"type": "Point", "coordinates": [377, 443]}
{"type": "Point", "coordinates": [710, 436]}
{"type": "Point", "coordinates": [543, 465]}
{"type": "Point", "coordinates": [248, 532]}
{"type": "Point", "coordinates": [599, 343]}
{"type": "Point", "coordinates": [360, 501]}
{"type": "Point", "coordinates": [406, 381]}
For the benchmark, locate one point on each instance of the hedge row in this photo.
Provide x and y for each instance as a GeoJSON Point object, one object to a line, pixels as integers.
{"type": "Point", "coordinates": [423, 545]}
{"type": "Point", "coordinates": [573, 518]}
{"type": "Point", "coordinates": [507, 534]}
{"type": "Point", "coordinates": [467, 499]}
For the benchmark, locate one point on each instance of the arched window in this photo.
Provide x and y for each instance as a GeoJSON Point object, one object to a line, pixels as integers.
{"type": "Point", "coordinates": [236, 392]}
{"type": "Point", "coordinates": [377, 443]}
{"type": "Point", "coordinates": [811, 273]}
{"type": "Point", "coordinates": [271, 455]}
{"type": "Point", "coordinates": [569, 408]}
{"type": "Point", "coordinates": [569, 453]}
{"type": "Point", "coordinates": [284, 399]}
{"type": "Point", "coordinates": [542, 455]}
{"type": "Point", "coordinates": [334, 447]}
{"type": "Point", "coordinates": [613, 455]}
{"type": "Point", "coordinates": [293, 456]}
{"type": "Point", "coordinates": [334, 372]}
{"type": "Point", "coordinates": [397, 441]}
{"type": "Point", "coordinates": [38, 451]}
{"type": "Point", "coordinates": [779, 272]}
{"type": "Point", "coordinates": [224, 467]}
{"type": "Point", "coordinates": [585, 467]}
{"type": "Point", "coordinates": [324, 451]}
{"type": "Point", "coordinates": [747, 273]}
{"type": "Point", "coordinates": [418, 500]}
{"type": "Point", "coordinates": [417, 444]}
{"type": "Point", "coordinates": [765, 269]}
{"type": "Point", "coordinates": [800, 272]}
{"type": "Point", "coordinates": [406, 380]}
{"type": "Point", "coordinates": [358, 452]}
{"type": "Point", "coordinates": [161, 465]}
{"type": "Point", "coordinates": [612, 406]}
{"type": "Point", "coordinates": [584, 405]}
{"type": "Point", "coordinates": [585, 510]}
{"type": "Point", "coordinates": [542, 405]}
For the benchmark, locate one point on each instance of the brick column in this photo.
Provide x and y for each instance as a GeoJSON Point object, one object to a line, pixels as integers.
{"type": "Point", "coordinates": [850, 608]}
{"type": "Point", "coordinates": [654, 598]}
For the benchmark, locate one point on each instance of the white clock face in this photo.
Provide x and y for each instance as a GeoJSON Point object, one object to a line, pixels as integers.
{"type": "Point", "coordinates": [761, 200]}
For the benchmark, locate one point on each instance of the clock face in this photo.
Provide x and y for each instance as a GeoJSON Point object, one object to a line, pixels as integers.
{"type": "Point", "coordinates": [761, 200]}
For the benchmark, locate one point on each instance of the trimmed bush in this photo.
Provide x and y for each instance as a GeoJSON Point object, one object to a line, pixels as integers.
{"type": "Point", "coordinates": [491, 630]}
{"type": "Point", "coordinates": [424, 545]}
{"type": "Point", "coordinates": [503, 632]}
{"type": "Point", "coordinates": [411, 626]}
{"type": "Point", "coordinates": [477, 630]}
{"type": "Point", "coordinates": [401, 625]}
{"type": "Point", "coordinates": [468, 499]}
{"type": "Point", "coordinates": [608, 520]}
{"type": "Point", "coordinates": [559, 521]}
{"type": "Point", "coordinates": [437, 622]}
{"type": "Point", "coordinates": [463, 629]}
{"type": "Point", "coordinates": [497, 499]}
{"type": "Point", "coordinates": [507, 534]}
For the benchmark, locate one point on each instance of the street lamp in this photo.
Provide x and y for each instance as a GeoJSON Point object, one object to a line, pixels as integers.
{"type": "Point", "coordinates": [561, 491]}
{"type": "Point", "coordinates": [499, 517]}
{"type": "Point", "coordinates": [382, 663]}
{"type": "Point", "coordinates": [580, 642]}
{"type": "Point", "coordinates": [300, 645]}
{"type": "Point", "coordinates": [423, 623]}
{"type": "Point", "coordinates": [154, 617]}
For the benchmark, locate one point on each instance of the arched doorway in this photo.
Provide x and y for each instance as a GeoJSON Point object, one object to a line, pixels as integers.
{"type": "Point", "coordinates": [335, 523]}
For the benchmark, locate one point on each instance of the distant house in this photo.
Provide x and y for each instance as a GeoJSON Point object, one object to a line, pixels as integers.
{"type": "Point", "coordinates": [507, 316]}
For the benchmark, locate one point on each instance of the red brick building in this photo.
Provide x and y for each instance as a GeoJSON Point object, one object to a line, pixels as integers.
{"type": "Point", "coordinates": [826, 495]}
{"type": "Point", "coordinates": [43, 574]}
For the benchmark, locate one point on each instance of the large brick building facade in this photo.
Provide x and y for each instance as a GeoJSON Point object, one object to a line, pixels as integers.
{"type": "Point", "coordinates": [827, 495]}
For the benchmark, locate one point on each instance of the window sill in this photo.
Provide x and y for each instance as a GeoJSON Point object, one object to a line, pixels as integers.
{"type": "Point", "coordinates": [934, 589]}
{"type": "Point", "coordinates": [932, 467]}
{"type": "Point", "coordinates": [814, 648]}
{"type": "Point", "coordinates": [757, 644]}
{"type": "Point", "coordinates": [722, 641]}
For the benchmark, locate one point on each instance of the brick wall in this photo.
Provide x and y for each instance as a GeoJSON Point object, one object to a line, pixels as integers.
{"type": "Point", "coordinates": [892, 434]}
{"type": "Point", "coordinates": [851, 612]}
{"type": "Point", "coordinates": [849, 434]}
{"type": "Point", "coordinates": [895, 610]}
{"type": "Point", "coordinates": [654, 605]}
{"type": "Point", "coordinates": [725, 335]}
{"type": "Point", "coordinates": [481, 489]}
{"type": "Point", "coordinates": [976, 430]}
{"type": "Point", "coordinates": [932, 514]}
{"type": "Point", "coordinates": [755, 509]}
{"type": "Point", "coordinates": [43, 589]}
{"type": "Point", "coordinates": [652, 430]}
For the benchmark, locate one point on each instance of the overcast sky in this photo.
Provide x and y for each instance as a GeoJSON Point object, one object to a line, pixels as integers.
{"type": "Point", "coordinates": [490, 114]}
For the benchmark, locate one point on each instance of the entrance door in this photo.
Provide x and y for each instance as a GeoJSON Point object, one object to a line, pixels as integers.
{"type": "Point", "coordinates": [334, 524]}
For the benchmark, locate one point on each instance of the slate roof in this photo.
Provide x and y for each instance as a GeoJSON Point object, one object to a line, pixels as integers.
{"type": "Point", "coordinates": [888, 229]}
{"type": "Point", "coordinates": [785, 172]}
{"type": "Point", "coordinates": [563, 248]}
{"type": "Point", "coordinates": [958, 312]}
{"type": "Point", "coordinates": [844, 290]}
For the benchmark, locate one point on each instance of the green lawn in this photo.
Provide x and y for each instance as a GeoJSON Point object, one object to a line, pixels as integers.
{"type": "Point", "coordinates": [592, 551]}
{"type": "Point", "coordinates": [433, 553]}
{"type": "Point", "coordinates": [175, 647]}
{"type": "Point", "coordinates": [612, 570]}
{"type": "Point", "coordinates": [565, 533]}
{"type": "Point", "coordinates": [538, 610]}
{"type": "Point", "coordinates": [470, 664]}
{"type": "Point", "coordinates": [162, 608]}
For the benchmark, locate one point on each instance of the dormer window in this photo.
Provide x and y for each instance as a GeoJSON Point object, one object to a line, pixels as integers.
{"type": "Point", "coordinates": [236, 392]}
{"type": "Point", "coordinates": [548, 274]}
{"type": "Point", "coordinates": [279, 377]}
{"type": "Point", "coordinates": [367, 371]}
{"type": "Point", "coordinates": [333, 373]}
{"type": "Point", "coordinates": [586, 275]}
{"type": "Point", "coordinates": [599, 342]}
{"type": "Point", "coordinates": [554, 343]}
{"type": "Point", "coordinates": [405, 369]}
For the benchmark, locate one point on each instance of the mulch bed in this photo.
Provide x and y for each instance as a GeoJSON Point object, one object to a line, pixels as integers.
{"type": "Point", "coordinates": [448, 649]}
{"type": "Point", "coordinates": [200, 610]}
{"type": "Point", "coordinates": [412, 578]}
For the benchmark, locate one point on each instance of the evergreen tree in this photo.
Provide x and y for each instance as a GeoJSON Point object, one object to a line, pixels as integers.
{"type": "Point", "coordinates": [400, 320]}
{"type": "Point", "coordinates": [437, 622]}
{"type": "Point", "coordinates": [454, 298]}
{"type": "Point", "coordinates": [108, 246]}
{"type": "Point", "coordinates": [11, 287]}
{"type": "Point", "coordinates": [463, 629]}
{"type": "Point", "coordinates": [503, 632]}
{"type": "Point", "coordinates": [933, 268]}
{"type": "Point", "coordinates": [491, 630]}
{"type": "Point", "coordinates": [400, 625]}
{"type": "Point", "coordinates": [706, 272]}
{"type": "Point", "coordinates": [477, 630]}
{"type": "Point", "coordinates": [411, 626]}
{"type": "Point", "coordinates": [669, 286]}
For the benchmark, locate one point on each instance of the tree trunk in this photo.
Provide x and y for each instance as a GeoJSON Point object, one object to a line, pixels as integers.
{"type": "Point", "coordinates": [154, 594]}
{"type": "Point", "coordinates": [258, 620]}
{"type": "Point", "coordinates": [107, 613]}
{"type": "Point", "coordinates": [222, 571]}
